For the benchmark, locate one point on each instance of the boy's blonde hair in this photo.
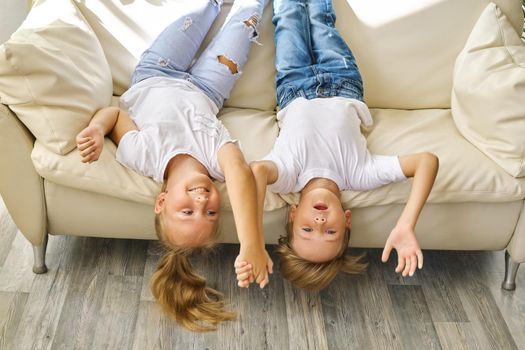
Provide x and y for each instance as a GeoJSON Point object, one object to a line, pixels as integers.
{"type": "Point", "coordinates": [183, 294]}
{"type": "Point", "coordinates": [312, 275]}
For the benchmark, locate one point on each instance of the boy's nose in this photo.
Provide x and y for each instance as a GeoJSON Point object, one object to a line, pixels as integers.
{"type": "Point", "coordinates": [319, 219]}
{"type": "Point", "coordinates": [200, 198]}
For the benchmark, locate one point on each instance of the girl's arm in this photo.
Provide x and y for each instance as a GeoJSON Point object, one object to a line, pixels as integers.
{"type": "Point", "coordinates": [240, 184]}
{"type": "Point", "coordinates": [423, 167]}
{"type": "Point", "coordinates": [109, 120]}
{"type": "Point", "coordinates": [265, 173]}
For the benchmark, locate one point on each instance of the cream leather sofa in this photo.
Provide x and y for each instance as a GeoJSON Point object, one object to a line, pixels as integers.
{"type": "Point", "coordinates": [55, 73]}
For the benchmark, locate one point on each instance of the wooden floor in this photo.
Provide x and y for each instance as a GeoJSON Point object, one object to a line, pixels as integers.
{"type": "Point", "coordinates": [96, 296]}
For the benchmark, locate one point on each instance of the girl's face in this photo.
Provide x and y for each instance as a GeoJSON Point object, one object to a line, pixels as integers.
{"type": "Point", "coordinates": [190, 210]}
{"type": "Point", "coordinates": [319, 224]}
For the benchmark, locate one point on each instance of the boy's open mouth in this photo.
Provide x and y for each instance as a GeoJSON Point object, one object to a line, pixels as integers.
{"type": "Point", "coordinates": [321, 206]}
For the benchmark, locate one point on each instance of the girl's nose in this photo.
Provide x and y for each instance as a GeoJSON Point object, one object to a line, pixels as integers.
{"type": "Point", "coordinates": [319, 219]}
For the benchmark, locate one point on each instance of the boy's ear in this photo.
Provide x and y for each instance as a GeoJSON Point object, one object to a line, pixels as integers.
{"type": "Point", "coordinates": [159, 202]}
{"type": "Point", "coordinates": [348, 218]}
{"type": "Point", "coordinates": [291, 214]}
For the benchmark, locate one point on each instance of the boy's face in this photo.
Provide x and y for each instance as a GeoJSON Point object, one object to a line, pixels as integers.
{"type": "Point", "coordinates": [319, 225]}
{"type": "Point", "coordinates": [191, 211]}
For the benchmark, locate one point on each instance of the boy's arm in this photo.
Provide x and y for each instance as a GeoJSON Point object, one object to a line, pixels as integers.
{"type": "Point", "coordinates": [265, 173]}
{"type": "Point", "coordinates": [109, 120]}
{"type": "Point", "coordinates": [423, 167]}
{"type": "Point", "coordinates": [241, 188]}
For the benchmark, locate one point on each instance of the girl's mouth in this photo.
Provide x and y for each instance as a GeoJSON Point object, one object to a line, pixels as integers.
{"type": "Point", "coordinates": [199, 190]}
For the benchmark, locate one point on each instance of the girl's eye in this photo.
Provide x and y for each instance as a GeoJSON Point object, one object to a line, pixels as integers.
{"type": "Point", "coordinates": [331, 232]}
{"type": "Point", "coordinates": [187, 212]}
{"type": "Point", "coordinates": [307, 229]}
{"type": "Point", "coordinates": [211, 213]}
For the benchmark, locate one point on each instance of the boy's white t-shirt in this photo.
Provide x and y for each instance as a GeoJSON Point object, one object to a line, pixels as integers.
{"type": "Point", "coordinates": [321, 138]}
{"type": "Point", "coordinates": [174, 117]}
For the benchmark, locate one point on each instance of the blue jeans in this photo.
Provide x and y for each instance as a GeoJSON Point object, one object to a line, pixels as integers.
{"type": "Point", "coordinates": [173, 51]}
{"type": "Point", "coordinates": [312, 59]}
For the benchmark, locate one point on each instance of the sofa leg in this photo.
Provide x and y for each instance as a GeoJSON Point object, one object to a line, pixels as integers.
{"type": "Point", "coordinates": [39, 256]}
{"type": "Point", "coordinates": [511, 268]}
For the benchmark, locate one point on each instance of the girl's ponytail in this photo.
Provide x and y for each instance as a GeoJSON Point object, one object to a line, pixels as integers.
{"type": "Point", "coordinates": [184, 296]}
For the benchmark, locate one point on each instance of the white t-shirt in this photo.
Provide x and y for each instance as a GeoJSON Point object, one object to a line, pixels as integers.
{"type": "Point", "coordinates": [174, 117]}
{"type": "Point", "coordinates": [321, 138]}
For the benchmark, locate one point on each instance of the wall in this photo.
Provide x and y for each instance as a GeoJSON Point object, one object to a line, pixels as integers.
{"type": "Point", "coordinates": [12, 13]}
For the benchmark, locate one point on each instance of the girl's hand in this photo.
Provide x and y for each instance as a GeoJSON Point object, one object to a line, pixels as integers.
{"type": "Point", "coordinates": [403, 240]}
{"type": "Point", "coordinates": [90, 142]}
{"type": "Point", "coordinates": [244, 273]}
{"type": "Point", "coordinates": [260, 261]}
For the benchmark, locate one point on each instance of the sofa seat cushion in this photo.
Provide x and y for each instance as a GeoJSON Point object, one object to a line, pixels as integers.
{"type": "Point", "coordinates": [53, 74]}
{"type": "Point", "coordinates": [465, 174]}
{"type": "Point", "coordinates": [256, 131]}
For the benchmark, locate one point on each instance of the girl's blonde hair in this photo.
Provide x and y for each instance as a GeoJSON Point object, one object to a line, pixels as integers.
{"type": "Point", "coordinates": [311, 275]}
{"type": "Point", "coordinates": [183, 294]}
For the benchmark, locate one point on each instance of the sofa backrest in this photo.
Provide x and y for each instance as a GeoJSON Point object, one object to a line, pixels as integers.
{"type": "Point", "coordinates": [405, 49]}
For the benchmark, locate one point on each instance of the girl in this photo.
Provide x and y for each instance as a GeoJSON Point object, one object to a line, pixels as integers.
{"type": "Point", "coordinates": [167, 129]}
{"type": "Point", "coordinates": [321, 151]}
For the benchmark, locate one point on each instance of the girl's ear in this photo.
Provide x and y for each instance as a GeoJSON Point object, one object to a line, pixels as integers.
{"type": "Point", "coordinates": [348, 218]}
{"type": "Point", "coordinates": [291, 214]}
{"type": "Point", "coordinates": [159, 202]}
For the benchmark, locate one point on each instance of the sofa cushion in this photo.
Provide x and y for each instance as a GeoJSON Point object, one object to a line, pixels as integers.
{"type": "Point", "coordinates": [488, 98]}
{"type": "Point", "coordinates": [465, 174]}
{"type": "Point", "coordinates": [53, 74]}
{"type": "Point", "coordinates": [127, 28]}
{"type": "Point", "coordinates": [256, 131]}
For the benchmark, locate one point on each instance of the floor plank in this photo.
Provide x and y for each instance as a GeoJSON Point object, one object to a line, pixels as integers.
{"type": "Point", "coordinates": [118, 311]}
{"type": "Point", "coordinates": [411, 311]}
{"type": "Point", "coordinates": [11, 308]}
{"type": "Point", "coordinates": [16, 273]}
{"type": "Point", "coordinates": [457, 336]}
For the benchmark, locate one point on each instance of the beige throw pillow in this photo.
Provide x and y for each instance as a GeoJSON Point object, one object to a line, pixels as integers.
{"type": "Point", "coordinates": [488, 96]}
{"type": "Point", "coordinates": [53, 74]}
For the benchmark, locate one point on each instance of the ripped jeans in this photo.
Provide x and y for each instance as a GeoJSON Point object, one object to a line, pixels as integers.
{"type": "Point", "coordinates": [312, 59]}
{"type": "Point", "coordinates": [173, 51]}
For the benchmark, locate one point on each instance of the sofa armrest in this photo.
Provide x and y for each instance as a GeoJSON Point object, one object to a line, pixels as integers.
{"type": "Point", "coordinates": [20, 185]}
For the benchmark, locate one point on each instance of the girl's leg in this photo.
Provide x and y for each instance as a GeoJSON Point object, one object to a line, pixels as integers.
{"type": "Point", "coordinates": [335, 62]}
{"type": "Point", "coordinates": [294, 51]}
{"type": "Point", "coordinates": [220, 65]}
{"type": "Point", "coordinates": [174, 49]}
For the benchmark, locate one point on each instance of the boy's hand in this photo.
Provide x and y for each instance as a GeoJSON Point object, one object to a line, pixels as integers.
{"type": "Point", "coordinates": [403, 240]}
{"type": "Point", "coordinates": [260, 261]}
{"type": "Point", "coordinates": [90, 142]}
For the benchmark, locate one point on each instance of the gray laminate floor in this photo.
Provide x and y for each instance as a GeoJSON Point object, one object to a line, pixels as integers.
{"type": "Point", "coordinates": [96, 296]}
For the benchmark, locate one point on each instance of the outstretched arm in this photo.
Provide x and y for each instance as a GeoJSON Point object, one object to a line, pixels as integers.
{"type": "Point", "coordinates": [423, 167]}
{"type": "Point", "coordinates": [109, 120]}
{"type": "Point", "coordinates": [240, 183]}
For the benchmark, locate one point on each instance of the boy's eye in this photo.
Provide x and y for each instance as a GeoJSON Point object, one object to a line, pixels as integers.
{"type": "Point", "coordinates": [331, 232]}
{"type": "Point", "coordinates": [307, 229]}
{"type": "Point", "coordinates": [211, 213]}
{"type": "Point", "coordinates": [187, 212]}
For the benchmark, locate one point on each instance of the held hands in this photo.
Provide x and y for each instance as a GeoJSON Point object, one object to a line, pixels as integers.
{"type": "Point", "coordinates": [259, 268]}
{"type": "Point", "coordinates": [403, 240]}
{"type": "Point", "coordinates": [90, 142]}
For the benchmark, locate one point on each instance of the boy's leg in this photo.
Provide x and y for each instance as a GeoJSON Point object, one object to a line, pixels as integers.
{"type": "Point", "coordinates": [335, 62]}
{"type": "Point", "coordinates": [174, 48]}
{"type": "Point", "coordinates": [220, 65]}
{"type": "Point", "coordinates": [293, 45]}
